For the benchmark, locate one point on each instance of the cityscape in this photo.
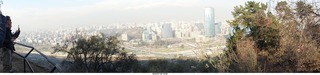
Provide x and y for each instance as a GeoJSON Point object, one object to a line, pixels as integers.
{"type": "Point", "coordinates": [195, 37]}
{"type": "Point", "coordinates": [160, 36]}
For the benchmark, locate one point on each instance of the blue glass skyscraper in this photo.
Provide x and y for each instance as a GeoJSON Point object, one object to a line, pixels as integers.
{"type": "Point", "coordinates": [209, 26]}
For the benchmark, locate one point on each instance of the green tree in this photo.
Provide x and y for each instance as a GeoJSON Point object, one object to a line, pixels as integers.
{"type": "Point", "coordinates": [96, 54]}
{"type": "Point", "coordinates": [252, 21]}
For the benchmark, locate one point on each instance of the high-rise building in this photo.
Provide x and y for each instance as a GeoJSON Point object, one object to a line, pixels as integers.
{"type": "Point", "coordinates": [167, 31]}
{"type": "Point", "coordinates": [149, 35]}
{"type": "Point", "coordinates": [218, 27]}
{"type": "Point", "coordinates": [124, 37]}
{"type": "Point", "coordinates": [209, 26]}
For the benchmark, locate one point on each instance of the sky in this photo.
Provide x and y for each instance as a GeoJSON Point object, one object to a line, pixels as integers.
{"type": "Point", "coordinates": [51, 14]}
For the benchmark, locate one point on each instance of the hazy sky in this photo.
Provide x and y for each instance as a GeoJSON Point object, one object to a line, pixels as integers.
{"type": "Point", "coordinates": [48, 14]}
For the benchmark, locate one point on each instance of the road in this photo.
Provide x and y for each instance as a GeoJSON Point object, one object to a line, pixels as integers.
{"type": "Point", "coordinates": [188, 53]}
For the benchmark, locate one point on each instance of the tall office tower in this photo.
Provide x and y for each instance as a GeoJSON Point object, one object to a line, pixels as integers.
{"type": "Point", "coordinates": [209, 26]}
{"type": "Point", "coordinates": [167, 31]}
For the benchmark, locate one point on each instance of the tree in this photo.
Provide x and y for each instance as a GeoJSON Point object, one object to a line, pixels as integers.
{"type": "Point", "coordinates": [299, 34]}
{"type": "Point", "coordinates": [96, 54]}
{"type": "Point", "coordinates": [285, 42]}
{"type": "Point", "coordinates": [252, 21]}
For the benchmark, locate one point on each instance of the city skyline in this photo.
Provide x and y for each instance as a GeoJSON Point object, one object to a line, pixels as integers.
{"type": "Point", "coordinates": [49, 14]}
{"type": "Point", "coordinates": [160, 36]}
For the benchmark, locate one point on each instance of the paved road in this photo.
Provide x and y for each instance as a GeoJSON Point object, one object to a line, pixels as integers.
{"type": "Point", "coordinates": [190, 53]}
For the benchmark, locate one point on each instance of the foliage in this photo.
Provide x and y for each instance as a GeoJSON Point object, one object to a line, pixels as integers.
{"type": "Point", "coordinates": [284, 41]}
{"type": "Point", "coordinates": [126, 63]}
{"type": "Point", "coordinates": [96, 54]}
{"type": "Point", "coordinates": [255, 37]}
{"type": "Point", "coordinates": [263, 42]}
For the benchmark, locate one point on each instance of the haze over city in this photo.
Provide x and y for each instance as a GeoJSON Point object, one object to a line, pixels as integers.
{"type": "Point", "coordinates": [160, 36]}
{"type": "Point", "coordinates": [51, 14]}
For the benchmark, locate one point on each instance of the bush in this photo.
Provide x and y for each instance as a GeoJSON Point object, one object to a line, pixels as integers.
{"type": "Point", "coordinates": [95, 54]}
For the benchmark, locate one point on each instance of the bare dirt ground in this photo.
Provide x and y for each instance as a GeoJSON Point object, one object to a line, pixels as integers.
{"type": "Point", "coordinates": [18, 66]}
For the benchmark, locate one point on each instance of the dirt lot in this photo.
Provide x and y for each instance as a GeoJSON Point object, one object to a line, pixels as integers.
{"type": "Point", "coordinates": [18, 66]}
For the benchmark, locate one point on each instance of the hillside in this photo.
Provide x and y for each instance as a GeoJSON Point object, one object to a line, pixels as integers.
{"type": "Point", "coordinates": [17, 64]}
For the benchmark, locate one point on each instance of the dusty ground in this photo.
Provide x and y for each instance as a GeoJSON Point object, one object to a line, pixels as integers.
{"type": "Point", "coordinates": [18, 66]}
